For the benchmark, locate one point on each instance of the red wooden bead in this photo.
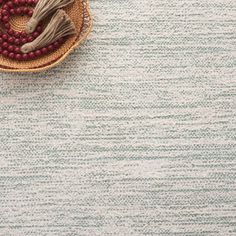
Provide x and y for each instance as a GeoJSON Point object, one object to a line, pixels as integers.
{"type": "Point", "coordinates": [22, 10]}
{"type": "Point", "coordinates": [5, 13]}
{"type": "Point", "coordinates": [11, 55]}
{"type": "Point", "coordinates": [17, 34]}
{"type": "Point", "coordinates": [12, 11]}
{"type": "Point", "coordinates": [30, 12]}
{"type": "Point", "coordinates": [44, 50]}
{"type": "Point", "coordinates": [23, 40]}
{"type": "Point", "coordinates": [5, 19]}
{"type": "Point", "coordinates": [10, 48]}
{"type": "Point", "coordinates": [11, 39]}
{"type": "Point", "coordinates": [5, 36]}
{"type": "Point", "coordinates": [10, 4]}
{"type": "Point", "coordinates": [23, 34]}
{"type": "Point", "coordinates": [7, 26]}
{"type": "Point", "coordinates": [38, 53]}
{"type": "Point", "coordinates": [18, 10]}
{"type": "Point", "coordinates": [11, 32]}
{"type": "Point", "coordinates": [35, 34]}
{"type": "Point", "coordinates": [17, 50]}
{"type": "Point", "coordinates": [30, 39]}
{"type": "Point", "coordinates": [25, 56]}
{"type": "Point", "coordinates": [17, 41]}
{"type": "Point", "coordinates": [5, 53]}
{"type": "Point", "coordinates": [5, 44]}
{"type": "Point", "coordinates": [16, 2]}
{"type": "Point", "coordinates": [39, 29]}
{"type": "Point", "coordinates": [18, 57]}
{"type": "Point", "coordinates": [22, 2]}
{"type": "Point", "coordinates": [5, 7]}
{"type": "Point", "coordinates": [30, 2]}
{"type": "Point", "coordinates": [50, 47]}
{"type": "Point", "coordinates": [25, 10]}
{"type": "Point", "coordinates": [31, 55]}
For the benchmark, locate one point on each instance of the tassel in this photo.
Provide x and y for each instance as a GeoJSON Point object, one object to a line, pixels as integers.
{"type": "Point", "coordinates": [59, 26]}
{"type": "Point", "coordinates": [43, 9]}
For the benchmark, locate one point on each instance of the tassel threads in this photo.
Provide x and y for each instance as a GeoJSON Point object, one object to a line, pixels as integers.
{"type": "Point", "coordinates": [59, 27]}
{"type": "Point", "coordinates": [43, 9]}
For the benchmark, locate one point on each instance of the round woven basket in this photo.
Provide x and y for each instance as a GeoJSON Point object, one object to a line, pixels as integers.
{"type": "Point", "coordinates": [79, 13]}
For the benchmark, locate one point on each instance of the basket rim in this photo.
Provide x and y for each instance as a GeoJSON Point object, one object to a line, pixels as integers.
{"type": "Point", "coordinates": [62, 58]}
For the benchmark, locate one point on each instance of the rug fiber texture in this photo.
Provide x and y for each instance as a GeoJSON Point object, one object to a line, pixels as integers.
{"type": "Point", "coordinates": [134, 134]}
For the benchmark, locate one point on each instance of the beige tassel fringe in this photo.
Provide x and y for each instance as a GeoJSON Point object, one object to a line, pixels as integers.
{"type": "Point", "coordinates": [43, 9]}
{"type": "Point", "coordinates": [59, 26]}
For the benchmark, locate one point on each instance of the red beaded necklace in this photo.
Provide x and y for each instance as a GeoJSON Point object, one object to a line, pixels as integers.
{"type": "Point", "coordinates": [11, 40]}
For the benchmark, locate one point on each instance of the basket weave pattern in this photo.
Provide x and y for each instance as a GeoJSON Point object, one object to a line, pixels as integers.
{"type": "Point", "coordinates": [80, 14]}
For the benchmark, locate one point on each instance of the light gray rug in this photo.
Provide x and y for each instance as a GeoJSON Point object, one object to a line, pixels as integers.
{"type": "Point", "coordinates": [134, 134]}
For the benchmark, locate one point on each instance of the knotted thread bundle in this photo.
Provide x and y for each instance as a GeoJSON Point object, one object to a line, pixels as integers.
{"type": "Point", "coordinates": [43, 9]}
{"type": "Point", "coordinates": [59, 27]}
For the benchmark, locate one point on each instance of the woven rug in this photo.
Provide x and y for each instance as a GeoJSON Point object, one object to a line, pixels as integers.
{"type": "Point", "coordinates": [134, 134]}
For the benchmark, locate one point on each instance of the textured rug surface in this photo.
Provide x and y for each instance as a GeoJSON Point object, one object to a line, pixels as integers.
{"type": "Point", "coordinates": [134, 134]}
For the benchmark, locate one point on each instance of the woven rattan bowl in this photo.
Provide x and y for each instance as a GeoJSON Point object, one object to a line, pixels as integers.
{"type": "Point", "coordinates": [79, 13]}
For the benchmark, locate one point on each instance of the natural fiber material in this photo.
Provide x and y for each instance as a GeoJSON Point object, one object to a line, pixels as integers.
{"type": "Point", "coordinates": [133, 135]}
{"type": "Point", "coordinates": [59, 27]}
{"type": "Point", "coordinates": [80, 15]}
{"type": "Point", "coordinates": [43, 9]}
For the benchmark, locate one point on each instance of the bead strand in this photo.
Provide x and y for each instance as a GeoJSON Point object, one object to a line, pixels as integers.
{"type": "Point", "coordinates": [11, 40]}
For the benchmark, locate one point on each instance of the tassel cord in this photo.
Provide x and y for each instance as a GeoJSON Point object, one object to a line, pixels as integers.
{"type": "Point", "coordinates": [59, 26]}
{"type": "Point", "coordinates": [43, 9]}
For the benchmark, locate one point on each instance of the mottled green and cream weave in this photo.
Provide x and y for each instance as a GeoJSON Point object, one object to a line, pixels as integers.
{"type": "Point", "coordinates": [134, 134]}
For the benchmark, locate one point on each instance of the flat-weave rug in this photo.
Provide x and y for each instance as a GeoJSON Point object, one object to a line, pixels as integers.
{"type": "Point", "coordinates": [134, 134]}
